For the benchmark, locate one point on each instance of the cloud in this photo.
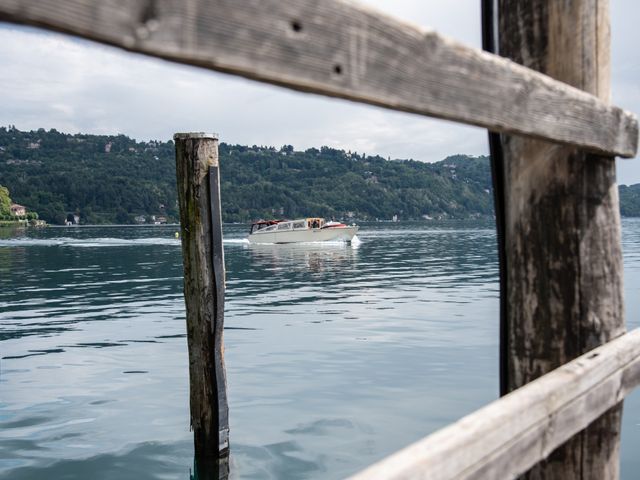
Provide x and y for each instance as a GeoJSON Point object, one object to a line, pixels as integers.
{"type": "Point", "coordinates": [77, 86]}
{"type": "Point", "coordinates": [54, 81]}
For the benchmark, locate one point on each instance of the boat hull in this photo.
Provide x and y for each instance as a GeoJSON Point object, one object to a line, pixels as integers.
{"type": "Point", "coordinates": [338, 234]}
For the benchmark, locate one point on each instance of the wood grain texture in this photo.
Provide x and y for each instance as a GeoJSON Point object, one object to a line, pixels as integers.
{"type": "Point", "coordinates": [510, 435]}
{"type": "Point", "coordinates": [340, 49]}
{"type": "Point", "coordinates": [219, 282]}
{"type": "Point", "coordinates": [562, 229]}
{"type": "Point", "coordinates": [196, 158]}
{"type": "Point", "coordinates": [489, 17]}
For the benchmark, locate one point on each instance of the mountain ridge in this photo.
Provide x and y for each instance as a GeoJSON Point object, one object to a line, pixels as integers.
{"type": "Point", "coordinates": [116, 179]}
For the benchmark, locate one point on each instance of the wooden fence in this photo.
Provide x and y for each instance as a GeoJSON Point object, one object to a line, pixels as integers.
{"type": "Point", "coordinates": [339, 49]}
{"type": "Point", "coordinates": [557, 205]}
{"type": "Point", "coordinates": [510, 435]}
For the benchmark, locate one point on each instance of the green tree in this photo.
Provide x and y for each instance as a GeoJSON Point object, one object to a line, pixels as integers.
{"type": "Point", "coordinates": [113, 179]}
{"type": "Point", "coordinates": [5, 202]}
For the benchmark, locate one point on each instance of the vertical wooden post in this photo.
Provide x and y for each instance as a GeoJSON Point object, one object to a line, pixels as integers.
{"type": "Point", "coordinates": [197, 170]}
{"type": "Point", "coordinates": [564, 262]}
{"type": "Point", "coordinates": [489, 43]}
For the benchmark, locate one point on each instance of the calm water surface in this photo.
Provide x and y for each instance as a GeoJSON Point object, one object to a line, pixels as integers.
{"type": "Point", "coordinates": [337, 355]}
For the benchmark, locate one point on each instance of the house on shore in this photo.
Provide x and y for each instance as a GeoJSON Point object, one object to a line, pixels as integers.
{"type": "Point", "coordinates": [72, 219]}
{"type": "Point", "coordinates": [18, 210]}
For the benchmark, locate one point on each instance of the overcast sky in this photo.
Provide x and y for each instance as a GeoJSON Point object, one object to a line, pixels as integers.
{"type": "Point", "coordinates": [53, 81]}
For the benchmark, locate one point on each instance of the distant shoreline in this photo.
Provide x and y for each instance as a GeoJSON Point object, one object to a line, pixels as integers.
{"type": "Point", "coordinates": [368, 222]}
{"type": "Point", "coordinates": [84, 225]}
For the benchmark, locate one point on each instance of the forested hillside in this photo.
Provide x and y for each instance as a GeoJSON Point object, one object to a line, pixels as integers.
{"type": "Point", "coordinates": [104, 179]}
{"type": "Point", "coordinates": [265, 182]}
{"type": "Point", "coordinates": [113, 179]}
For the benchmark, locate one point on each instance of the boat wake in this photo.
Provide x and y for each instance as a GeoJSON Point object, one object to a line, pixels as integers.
{"type": "Point", "coordinates": [241, 241]}
{"type": "Point", "coordinates": [123, 242]}
{"type": "Point", "coordinates": [82, 243]}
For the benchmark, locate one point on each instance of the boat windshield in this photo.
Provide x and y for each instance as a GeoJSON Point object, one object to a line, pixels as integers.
{"type": "Point", "coordinates": [262, 225]}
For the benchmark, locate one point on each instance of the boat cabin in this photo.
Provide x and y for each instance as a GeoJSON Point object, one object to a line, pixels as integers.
{"type": "Point", "coordinates": [279, 225]}
{"type": "Point", "coordinates": [315, 222]}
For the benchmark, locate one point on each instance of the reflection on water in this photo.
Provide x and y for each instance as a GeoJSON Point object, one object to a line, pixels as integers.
{"type": "Point", "coordinates": [336, 354]}
{"type": "Point", "coordinates": [12, 232]}
{"type": "Point", "coordinates": [210, 469]}
{"type": "Point", "coordinates": [313, 257]}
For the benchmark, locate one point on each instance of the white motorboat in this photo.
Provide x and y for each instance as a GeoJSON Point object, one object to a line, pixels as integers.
{"type": "Point", "coordinates": [301, 230]}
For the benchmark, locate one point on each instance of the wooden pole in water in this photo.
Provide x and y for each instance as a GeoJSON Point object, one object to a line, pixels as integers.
{"type": "Point", "coordinates": [563, 245]}
{"type": "Point", "coordinates": [197, 170]}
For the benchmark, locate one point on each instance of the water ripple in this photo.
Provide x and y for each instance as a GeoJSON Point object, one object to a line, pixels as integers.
{"type": "Point", "coordinates": [320, 340]}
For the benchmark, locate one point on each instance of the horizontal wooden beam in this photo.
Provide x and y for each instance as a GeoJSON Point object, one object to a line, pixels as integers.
{"type": "Point", "coordinates": [509, 436]}
{"type": "Point", "coordinates": [340, 49]}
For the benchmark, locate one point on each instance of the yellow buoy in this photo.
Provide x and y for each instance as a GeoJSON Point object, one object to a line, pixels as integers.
{"type": "Point", "coordinates": [177, 235]}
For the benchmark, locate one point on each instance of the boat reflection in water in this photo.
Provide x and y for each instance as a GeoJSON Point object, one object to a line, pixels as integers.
{"type": "Point", "coordinates": [210, 469]}
{"type": "Point", "coordinates": [314, 257]}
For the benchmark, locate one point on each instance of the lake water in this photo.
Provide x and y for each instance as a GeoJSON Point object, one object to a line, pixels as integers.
{"type": "Point", "coordinates": [336, 355]}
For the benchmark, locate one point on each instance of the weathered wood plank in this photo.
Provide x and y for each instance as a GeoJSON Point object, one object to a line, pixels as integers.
{"type": "Point", "coordinates": [219, 281]}
{"type": "Point", "coordinates": [203, 258]}
{"type": "Point", "coordinates": [563, 236]}
{"type": "Point", "coordinates": [340, 49]}
{"type": "Point", "coordinates": [508, 436]}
